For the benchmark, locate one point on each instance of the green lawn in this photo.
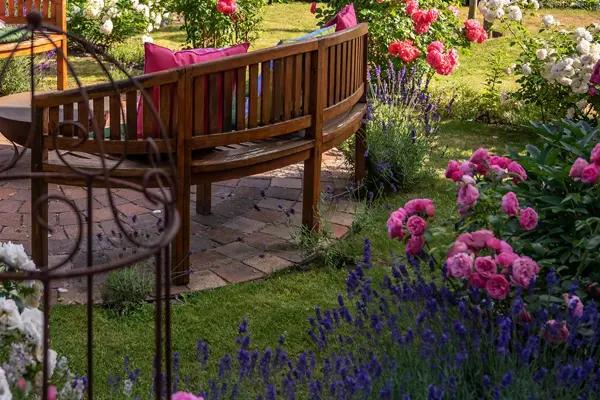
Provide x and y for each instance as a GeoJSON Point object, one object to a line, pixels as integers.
{"type": "Point", "coordinates": [281, 303]}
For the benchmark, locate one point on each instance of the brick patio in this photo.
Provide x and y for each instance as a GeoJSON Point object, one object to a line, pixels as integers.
{"type": "Point", "coordinates": [249, 234]}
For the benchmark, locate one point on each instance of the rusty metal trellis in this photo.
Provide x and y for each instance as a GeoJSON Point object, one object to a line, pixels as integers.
{"type": "Point", "coordinates": [156, 185]}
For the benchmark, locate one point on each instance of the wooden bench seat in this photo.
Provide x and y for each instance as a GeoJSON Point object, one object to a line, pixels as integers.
{"type": "Point", "coordinates": [224, 119]}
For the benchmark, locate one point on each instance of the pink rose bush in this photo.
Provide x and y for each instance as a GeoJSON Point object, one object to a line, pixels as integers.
{"type": "Point", "coordinates": [474, 31]}
{"type": "Point", "coordinates": [404, 50]}
{"type": "Point", "coordinates": [587, 172]}
{"type": "Point", "coordinates": [226, 7]}
{"type": "Point", "coordinates": [411, 221]}
{"type": "Point", "coordinates": [528, 217]}
{"type": "Point", "coordinates": [486, 262]}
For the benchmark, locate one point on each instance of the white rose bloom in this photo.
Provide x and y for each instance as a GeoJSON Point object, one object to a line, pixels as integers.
{"type": "Point", "coordinates": [5, 393]}
{"type": "Point", "coordinates": [514, 13]}
{"type": "Point", "coordinates": [535, 4]}
{"type": "Point", "coordinates": [583, 47]}
{"type": "Point", "coordinates": [548, 20]}
{"type": "Point", "coordinates": [33, 325]}
{"type": "Point", "coordinates": [76, 9]}
{"type": "Point", "coordinates": [147, 39]}
{"type": "Point", "coordinates": [157, 20]}
{"type": "Point", "coordinates": [582, 33]}
{"type": "Point", "coordinates": [570, 113]}
{"type": "Point", "coordinates": [107, 27]}
{"type": "Point", "coordinates": [541, 54]}
{"type": "Point", "coordinates": [15, 256]}
{"type": "Point", "coordinates": [581, 104]}
{"type": "Point", "coordinates": [135, 3]}
{"type": "Point", "coordinates": [563, 80]}
{"type": "Point", "coordinates": [500, 13]}
{"type": "Point", "coordinates": [526, 69]}
{"type": "Point", "coordinates": [149, 28]}
{"type": "Point", "coordinates": [10, 318]}
{"type": "Point", "coordinates": [568, 71]}
{"type": "Point", "coordinates": [52, 356]}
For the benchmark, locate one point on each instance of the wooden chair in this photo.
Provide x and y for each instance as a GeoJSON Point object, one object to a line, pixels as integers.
{"type": "Point", "coordinates": [222, 122]}
{"type": "Point", "coordinates": [54, 13]}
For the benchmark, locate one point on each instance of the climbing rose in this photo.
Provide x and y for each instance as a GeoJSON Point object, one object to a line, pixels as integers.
{"type": "Point", "coordinates": [411, 7]}
{"type": "Point", "coordinates": [405, 50]}
{"type": "Point", "coordinates": [595, 156]}
{"type": "Point", "coordinates": [415, 206]}
{"type": "Point", "coordinates": [415, 244]}
{"type": "Point", "coordinates": [528, 219]}
{"type": "Point", "coordinates": [590, 174]}
{"type": "Point", "coordinates": [500, 161]}
{"type": "Point", "coordinates": [313, 7]}
{"type": "Point", "coordinates": [467, 195]}
{"type": "Point", "coordinates": [442, 62]}
{"type": "Point", "coordinates": [226, 7]}
{"type": "Point", "coordinates": [416, 225]}
{"type": "Point", "coordinates": [474, 31]}
{"type": "Point", "coordinates": [524, 271]}
{"type": "Point", "coordinates": [574, 305]}
{"type": "Point", "coordinates": [497, 287]}
{"type": "Point", "coordinates": [485, 266]}
{"type": "Point", "coordinates": [556, 332]}
{"type": "Point", "coordinates": [477, 280]}
{"type": "Point", "coordinates": [517, 170]}
{"type": "Point", "coordinates": [510, 204]}
{"type": "Point", "coordinates": [506, 259]}
{"type": "Point", "coordinates": [480, 158]}
{"type": "Point", "coordinates": [460, 265]}
{"type": "Point", "coordinates": [185, 396]}
{"type": "Point", "coordinates": [577, 168]}
{"type": "Point", "coordinates": [394, 224]}
{"type": "Point", "coordinates": [453, 171]}
{"type": "Point", "coordinates": [479, 239]}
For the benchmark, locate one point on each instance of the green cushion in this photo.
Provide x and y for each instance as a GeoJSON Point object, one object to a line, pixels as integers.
{"type": "Point", "coordinates": [314, 34]}
{"type": "Point", "coordinates": [6, 37]}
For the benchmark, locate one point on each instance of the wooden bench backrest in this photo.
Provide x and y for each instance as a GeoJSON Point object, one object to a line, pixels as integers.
{"type": "Point", "coordinates": [111, 114]}
{"type": "Point", "coordinates": [15, 11]}
{"type": "Point", "coordinates": [274, 91]}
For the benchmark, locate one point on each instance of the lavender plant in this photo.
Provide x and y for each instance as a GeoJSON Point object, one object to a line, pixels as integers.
{"type": "Point", "coordinates": [406, 335]}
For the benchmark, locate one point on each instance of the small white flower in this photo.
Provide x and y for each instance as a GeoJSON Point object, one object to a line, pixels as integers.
{"type": "Point", "coordinates": [107, 27]}
{"type": "Point", "coordinates": [147, 39]}
{"type": "Point", "coordinates": [33, 325]}
{"type": "Point", "coordinates": [581, 104]}
{"type": "Point", "coordinates": [535, 4]}
{"type": "Point", "coordinates": [549, 20]}
{"type": "Point", "coordinates": [10, 318]}
{"type": "Point", "coordinates": [570, 113]}
{"type": "Point", "coordinates": [5, 393]}
{"type": "Point", "coordinates": [541, 54]}
{"type": "Point", "coordinates": [514, 13]}
{"type": "Point", "coordinates": [526, 69]}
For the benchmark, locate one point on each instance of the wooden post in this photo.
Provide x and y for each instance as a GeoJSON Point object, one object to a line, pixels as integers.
{"type": "Point", "coordinates": [312, 166]}
{"type": "Point", "coordinates": [360, 144]}
{"type": "Point", "coordinates": [203, 194]}
{"type": "Point", "coordinates": [39, 189]}
{"type": "Point", "coordinates": [472, 8]}
{"type": "Point", "coordinates": [61, 54]}
{"type": "Point", "coordinates": [181, 259]}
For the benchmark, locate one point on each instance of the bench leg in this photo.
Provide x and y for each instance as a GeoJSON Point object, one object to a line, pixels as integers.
{"type": "Point", "coordinates": [181, 257]}
{"type": "Point", "coordinates": [61, 66]}
{"type": "Point", "coordinates": [203, 193]}
{"type": "Point", "coordinates": [39, 232]}
{"type": "Point", "coordinates": [360, 159]}
{"type": "Point", "coordinates": [311, 192]}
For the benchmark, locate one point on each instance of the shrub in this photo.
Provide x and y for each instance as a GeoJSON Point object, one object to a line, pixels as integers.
{"type": "Point", "coordinates": [407, 30]}
{"type": "Point", "coordinates": [578, 4]}
{"type": "Point", "coordinates": [408, 335]}
{"type": "Point", "coordinates": [206, 24]}
{"type": "Point", "coordinates": [126, 290]}
{"type": "Point", "coordinates": [105, 23]}
{"type": "Point", "coordinates": [16, 73]}
{"type": "Point", "coordinates": [546, 213]}
{"type": "Point", "coordinates": [130, 54]}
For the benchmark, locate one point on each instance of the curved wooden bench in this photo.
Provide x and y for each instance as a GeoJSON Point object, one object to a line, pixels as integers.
{"type": "Point", "coordinates": [54, 12]}
{"type": "Point", "coordinates": [279, 106]}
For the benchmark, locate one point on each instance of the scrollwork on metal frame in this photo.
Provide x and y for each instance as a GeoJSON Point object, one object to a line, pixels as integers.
{"type": "Point", "coordinates": [160, 177]}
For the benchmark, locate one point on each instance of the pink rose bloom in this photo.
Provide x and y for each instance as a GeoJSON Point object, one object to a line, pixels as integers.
{"type": "Point", "coordinates": [435, 46]}
{"type": "Point", "coordinates": [52, 392]}
{"type": "Point", "coordinates": [416, 225]}
{"type": "Point", "coordinates": [595, 78]}
{"type": "Point", "coordinates": [500, 161]}
{"type": "Point", "coordinates": [556, 332]}
{"type": "Point", "coordinates": [485, 266]}
{"type": "Point", "coordinates": [480, 238]}
{"type": "Point", "coordinates": [590, 174]}
{"type": "Point", "coordinates": [411, 7]}
{"type": "Point", "coordinates": [465, 238]}
{"type": "Point", "coordinates": [226, 7]}
{"type": "Point", "coordinates": [420, 206]}
{"type": "Point", "coordinates": [497, 287]}
{"type": "Point", "coordinates": [467, 195]}
{"type": "Point", "coordinates": [467, 168]}
{"type": "Point", "coordinates": [185, 396]}
{"type": "Point", "coordinates": [496, 171]}
{"type": "Point", "coordinates": [22, 384]}
{"type": "Point", "coordinates": [480, 158]}
{"type": "Point", "coordinates": [474, 31]}
{"type": "Point", "coordinates": [454, 10]}
{"type": "Point", "coordinates": [453, 171]}
{"type": "Point", "coordinates": [577, 168]}
{"type": "Point", "coordinates": [493, 244]}
{"type": "Point", "coordinates": [405, 50]}
{"type": "Point", "coordinates": [574, 305]}
{"type": "Point", "coordinates": [460, 265]}
{"type": "Point", "coordinates": [415, 244]}
{"type": "Point", "coordinates": [422, 20]}
{"type": "Point", "coordinates": [517, 170]}
{"type": "Point", "coordinates": [510, 204]}
{"type": "Point", "coordinates": [504, 246]}
{"type": "Point", "coordinates": [528, 219]}
{"type": "Point", "coordinates": [477, 280]}
{"type": "Point", "coordinates": [506, 259]}
{"type": "Point", "coordinates": [395, 223]}
{"type": "Point", "coordinates": [458, 247]}
{"type": "Point", "coordinates": [595, 156]}
{"type": "Point", "coordinates": [524, 271]}
{"type": "Point", "coordinates": [525, 316]}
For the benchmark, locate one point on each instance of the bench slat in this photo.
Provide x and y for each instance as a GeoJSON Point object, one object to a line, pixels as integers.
{"type": "Point", "coordinates": [199, 106]}
{"type": "Point", "coordinates": [67, 117]}
{"type": "Point", "coordinates": [131, 110]}
{"type": "Point", "coordinates": [228, 86]}
{"type": "Point", "coordinates": [298, 75]}
{"type": "Point", "coordinates": [331, 77]}
{"type": "Point", "coordinates": [278, 87]}
{"type": "Point", "coordinates": [98, 127]}
{"type": "Point", "coordinates": [265, 107]}
{"type": "Point", "coordinates": [240, 103]}
{"type": "Point", "coordinates": [306, 83]}
{"type": "Point", "coordinates": [288, 88]}
{"type": "Point", "coordinates": [213, 102]}
{"type": "Point", "coordinates": [253, 99]}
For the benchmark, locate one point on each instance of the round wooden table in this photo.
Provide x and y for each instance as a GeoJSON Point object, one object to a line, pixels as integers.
{"type": "Point", "coordinates": [15, 117]}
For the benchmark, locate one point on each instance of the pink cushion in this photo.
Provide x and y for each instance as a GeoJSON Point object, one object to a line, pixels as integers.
{"type": "Point", "coordinates": [344, 19]}
{"type": "Point", "coordinates": [158, 58]}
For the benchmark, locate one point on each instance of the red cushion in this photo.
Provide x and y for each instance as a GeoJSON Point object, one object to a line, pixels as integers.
{"type": "Point", "coordinates": [344, 19]}
{"type": "Point", "coordinates": [158, 58]}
